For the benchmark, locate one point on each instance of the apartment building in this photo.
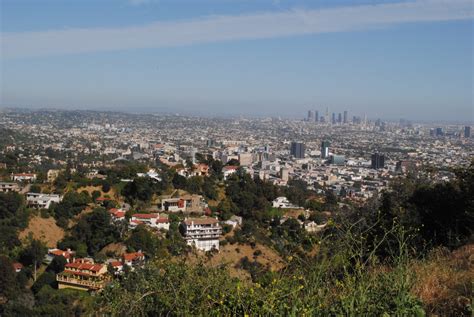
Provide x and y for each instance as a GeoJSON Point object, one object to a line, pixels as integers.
{"type": "Point", "coordinates": [202, 233]}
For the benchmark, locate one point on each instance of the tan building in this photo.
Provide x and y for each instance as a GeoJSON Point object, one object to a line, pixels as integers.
{"type": "Point", "coordinates": [83, 275]}
{"type": "Point", "coordinates": [186, 203]}
{"type": "Point", "coordinates": [9, 187]}
{"type": "Point", "coordinates": [245, 159]}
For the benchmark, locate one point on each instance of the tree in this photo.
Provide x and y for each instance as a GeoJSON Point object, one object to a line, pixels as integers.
{"type": "Point", "coordinates": [142, 239]}
{"type": "Point", "coordinates": [8, 284]}
{"type": "Point", "coordinates": [57, 265]}
{"type": "Point", "coordinates": [33, 254]}
{"type": "Point", "coordinates": [208, 188]}
{"type": "Point", "coordinates": [9, 204]}
{"type": "Point", "coordinates": [35, 188]}
{"type": "Point", "coordinates": [8, 238]}
{"type": "Point", "coordinates": [194, 184]}
{"type": "Point", "coordinates": [95, 230]}
{"type": "Point", "coordinates": [140, 189]}
{"type": "Point", "coordinates": [105, 187]}
{"type": "Point", "coordinates": [179, 182]}
{"type": "Point", "coordinates": [95, 195]}
{"type": "Point", "coordinates": [47, 278]}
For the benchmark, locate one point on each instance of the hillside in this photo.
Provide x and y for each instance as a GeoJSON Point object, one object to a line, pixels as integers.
{"type": "Point", "coordinates": [44, 229]}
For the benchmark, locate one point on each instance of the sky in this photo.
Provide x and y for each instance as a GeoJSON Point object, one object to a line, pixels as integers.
{"type": "Point", "coordinates": [384, 59]}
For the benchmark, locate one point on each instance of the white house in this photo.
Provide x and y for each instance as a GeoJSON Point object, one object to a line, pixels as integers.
{"type": "Point", "coordinates": [283, 202]}
{"type": "Point", "coordinates": [202, 233]}
{"type": "Point", "coordinates": [37, 200]}
{"type": "Point", "coordinates": [234, 221]}
{"type": "Point", "coordinates": [133, 259]}
{"type": "Point", "coordinates": [152, 220]}
{"type": "Point", "coordinates": [9, 187]}
{"type": "Point", "coordinates": [117, 214]}
{"type": "Point", "coordinates": [312, 226]}
{"type": "Point", "coordinates": [23, 177]}
{"type": "Point", "coordinates": [152, 174]}
{"type": "Point", "coordinates": [229, 170]}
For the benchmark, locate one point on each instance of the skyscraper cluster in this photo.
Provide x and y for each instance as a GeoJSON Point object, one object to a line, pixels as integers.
{"type": "Point", "coordinates": [335, 118]}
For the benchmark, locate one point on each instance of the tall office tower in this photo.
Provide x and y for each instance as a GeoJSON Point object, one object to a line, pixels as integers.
{"type": "Point", "coordinates": [193, 155]}
{"type": "Point", "coordinates": [439, 132]}
{"type": "Point", "coordinates": [325, 149]}
{"type": "Point", "coordinates": [297, 149]}
{"type": "Point", "coordinates": [467, 131]}
{"type": "Point", "coordinates": [326, 118]}
{"type": "Point", "coordinates": [339, 118]}
{"type": "Point", "coordinates": [284, 174]}
{"type": "Point", "coordinates": [310, 115]}
{"type": "Point", "coordinates": [316, 116]}
{"type": "Point", "coordinates": [333, 118]}
{"type": "Point", "coordinates": [378, 161]}
{"type": "Point", "coordinates": [345, 117]}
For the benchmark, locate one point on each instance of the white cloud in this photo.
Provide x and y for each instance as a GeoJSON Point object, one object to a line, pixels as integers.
{"type": "Point", "coordinates": [228, 28]}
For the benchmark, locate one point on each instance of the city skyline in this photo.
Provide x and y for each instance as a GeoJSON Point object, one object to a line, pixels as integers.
{"type": "Point", "coordinates": [388, 60]}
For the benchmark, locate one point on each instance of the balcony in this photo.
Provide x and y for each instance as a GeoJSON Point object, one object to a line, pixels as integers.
{"type": "Point", "coordinates": [93, 285]}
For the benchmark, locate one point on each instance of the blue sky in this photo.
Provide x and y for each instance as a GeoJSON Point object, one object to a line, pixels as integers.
{"type": "Point", "coordinates": [390, 59]}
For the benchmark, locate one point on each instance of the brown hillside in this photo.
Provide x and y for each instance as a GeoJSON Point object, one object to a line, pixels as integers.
{"type": "Point", "coordinates": [43, 229]}
{"type": "Point", "coordinates": [231, 255]}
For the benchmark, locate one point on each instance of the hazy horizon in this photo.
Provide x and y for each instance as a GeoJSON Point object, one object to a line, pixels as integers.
{"type": "Point", "coordinates": [383, 59]}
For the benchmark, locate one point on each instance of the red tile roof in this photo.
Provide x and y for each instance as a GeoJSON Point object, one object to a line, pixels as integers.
{"type": "Point", "coordinates": [132, 256]}
{"type": "Point", "coordinates": [17, 266]}
{"type": "Point", "coordinates": [24, 174]}
{"type": "Point", "coordinates": [66, 254]}
{"type": "Point", "coordinates": [85, 266]}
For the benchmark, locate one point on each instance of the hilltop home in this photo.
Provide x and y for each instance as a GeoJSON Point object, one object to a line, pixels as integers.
{"type": "Point", "coordinates": [83, 275]}
{"type": "Point", "coordinates": [9, 187]}
{"type": "Point", "coordinates": [23, 177]}
{"type": "Point", "coordinates": [52, 253]}
{"type": "Point", "coordinates": [283, 202]}
{"type": "Point", "coordinates": [186, 203]}
{"type": "Point", "coordinates": [134, 259]}
{"type": "Point", "coordinates": [202, 233]}
{"type": "Point", "coordinates": [117, 214]}
{"type": "Point", "coordinates": [39, 201]}
{"type": "Point", "coordinates": [152, 220]}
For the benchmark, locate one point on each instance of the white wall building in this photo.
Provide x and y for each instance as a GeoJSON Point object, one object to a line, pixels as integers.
{"type": "Point", "coordinates": [152, 220]}
{"type": "Point", "coordinates": [23, 177]}
{"type": "Point", "coordinates": [283, 202]}
{"type": "Point", "coordinates": [202, 233]}
{"type": "Point", "coordinates": [37, 200]}
{"type": "Point", "coordinates": [9, 187]}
